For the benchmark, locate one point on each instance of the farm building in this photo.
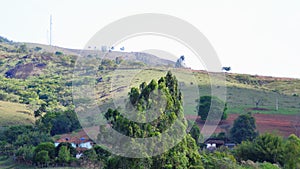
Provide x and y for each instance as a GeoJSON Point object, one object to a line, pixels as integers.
{"type": "Point", "coordinates": [80, 141]}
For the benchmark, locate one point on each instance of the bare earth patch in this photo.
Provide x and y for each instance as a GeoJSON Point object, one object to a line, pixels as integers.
{"type": "Point", "coordinates": [283, 125]}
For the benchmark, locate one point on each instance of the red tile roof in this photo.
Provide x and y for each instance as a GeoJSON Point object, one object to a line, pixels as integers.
{"type": "Point", "coordinates": [77, 138]}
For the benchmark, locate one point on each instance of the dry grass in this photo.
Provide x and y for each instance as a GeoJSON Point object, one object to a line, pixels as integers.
{"type": "Point", "coordinates": [15, 114]}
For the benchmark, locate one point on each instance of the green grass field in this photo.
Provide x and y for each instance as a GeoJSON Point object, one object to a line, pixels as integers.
{"type": "Point", "coordinates": [241, 95]}
{"type": "Point", "coordinates": [8, 163]}
{"type": "Point", "coordinates": [15, 114]}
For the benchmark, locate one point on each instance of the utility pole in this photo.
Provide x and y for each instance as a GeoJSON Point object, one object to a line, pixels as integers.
{"type": "Point", "coordinates": [50, 30]}
{"type": "Point", "coordinates": [276, 104]}
{"type": "Point", "coordinates": [47, 37]}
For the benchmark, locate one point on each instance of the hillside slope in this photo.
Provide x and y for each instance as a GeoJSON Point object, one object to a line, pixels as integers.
{"type": "Point", "coordinates": [34, 74]}
{"type": "Point", "coordinates": [15, 114]}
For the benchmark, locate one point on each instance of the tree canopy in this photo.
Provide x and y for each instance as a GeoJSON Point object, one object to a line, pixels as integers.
{"type": "Point", "coordinates": [213, 105]}
{"type": "Point", "coordinates": [183, 155]}
{"type": "Point", "coordinates": [244, 128]}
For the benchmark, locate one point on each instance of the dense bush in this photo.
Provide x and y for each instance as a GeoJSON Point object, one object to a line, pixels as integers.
{"type": "Point", "coordinates": [218, 159]}
{"type": "Point", "coordinates": [291, 153]}
{"type": "Point", "coordinates": [271, 148]}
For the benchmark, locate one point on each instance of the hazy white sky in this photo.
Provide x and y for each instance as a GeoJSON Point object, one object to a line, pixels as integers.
{"type": "Point", "coordinates": [255, 37]}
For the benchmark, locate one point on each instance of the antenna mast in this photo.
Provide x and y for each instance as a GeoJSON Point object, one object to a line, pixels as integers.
{"type": "Point", "coordinates": [50, 30]}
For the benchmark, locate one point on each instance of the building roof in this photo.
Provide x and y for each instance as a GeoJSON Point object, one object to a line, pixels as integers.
{"type": "Point", "coordinates": [76, 138]}
{"type": "Point", "coordinates": [214, 141]}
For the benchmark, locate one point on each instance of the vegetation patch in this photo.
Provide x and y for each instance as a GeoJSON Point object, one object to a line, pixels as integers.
{"type": "Point", "coordinates": [14, 113]}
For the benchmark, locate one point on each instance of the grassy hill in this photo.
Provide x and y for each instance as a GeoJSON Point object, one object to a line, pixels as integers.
{"type": "Point", "coordinates": [242, 94]}
{"type": "Point", "coordinates": [33, 74]}
{"type": "Point", "coordinates": [15, 114]}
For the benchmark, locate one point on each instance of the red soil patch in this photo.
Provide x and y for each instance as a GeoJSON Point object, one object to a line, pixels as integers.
{"type": "Point", "coordinates": [257, 108]}
{"type": "Point", "coordinates": [284, 125]}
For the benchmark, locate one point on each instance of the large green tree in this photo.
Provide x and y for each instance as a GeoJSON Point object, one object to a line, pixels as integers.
{"type": "Point", "coordinates": [244, 128]}
{"type": "Point", "coordinates": [42, 158]}
{"type": "Point", "coordinates": [195, 133]}
{"type": "Point", "coordinates": [292, 152]}
{"type": "Point", "coordinates": [32, 138]}
{"type": "Point", "coordinates": [46, 146]}
{"type": "Point", "coordinates": [64, 155]}
{"type": "Point", "coordinates": [145, 102]}
{"type": "Point", "coordinates": [72, 150]}
{"type": "Point", "coordinates": [213, 105]}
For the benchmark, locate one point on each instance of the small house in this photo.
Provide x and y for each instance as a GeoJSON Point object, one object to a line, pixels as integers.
{"type": "Point", "coordinates": [212, 144]}
{"type": "Point", "coordinates": [79, 141]}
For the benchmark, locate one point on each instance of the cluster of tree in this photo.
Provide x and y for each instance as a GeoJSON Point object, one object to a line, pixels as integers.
{"type": "Point", "coordinates": [26, 142]}
{"type": "Point", "coordinates": [271, 148]}
{"type": "Point", "coordinates": [247, 79]}
{"type": "Point", "coordinates": [143, 99]}
{"type": "Point", "coordinates": [188, 153]}
{"type": "Point", "coordinates": [243, 129]}
{"type": "Point", "coordinates": [225, 159]}
{"type": "Point", "coordinates": [262, 150]}
{"type": "Point", "coordinates": [29, 145]}
{"type": "Point", "coordinates": [50, 87]}
{"type": "Point", "coordinates": [14, 48]}
{"type": "Point", "coordinates": [46, 154]}
{"type": "Point", "coordinates": [267, 147]}
{"type": "Point", "coordinates": [108, 64]}
{"type": "Point", "coordinates": [58, 122]}
{"type": "Point", "coordinates": [221, 158]}
{"type": "Point", "coordinates": [16, 137]}
{"type": "Point", "coordinates": [54, 91]}
{"type": "Point", "coordinates": [23, 135]}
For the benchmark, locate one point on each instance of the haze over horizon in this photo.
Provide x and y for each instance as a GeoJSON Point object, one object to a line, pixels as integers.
{"type": "Point", "coordinates": [252, 37]}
